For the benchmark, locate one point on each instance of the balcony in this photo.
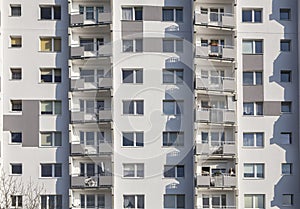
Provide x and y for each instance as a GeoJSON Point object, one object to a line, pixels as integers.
{"type": "Point", "coordinates": [91, 115]}
{"type": "Point", "coordinates": [88, 150]}
{"type": "Point", "coordinates": [214, 115]}
{"type": "Point", "coordinates": [227, 148]}
{"type": "Point", "coordinates": [215, 83]}
{"type": "Point", "coordinates": [220, 181]}
{"type": "Point", "coordinates": [217, 207]}
{"type": "Point", "coordinates": [97, 181]}
{"type": "Point", "coordinates": [82, 83]}
{"type": "Point", "coordinates": [100, 18]}
{"type": "Point", "coordinates": [90, 50]}
{"type": "Point", "coordinates": [216, 52]}
{"type": "Point", "coordinates": [214, 19]}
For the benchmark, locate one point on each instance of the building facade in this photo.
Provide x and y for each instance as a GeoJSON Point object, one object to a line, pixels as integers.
{"type": "Point", "coordinates": [151, 104]}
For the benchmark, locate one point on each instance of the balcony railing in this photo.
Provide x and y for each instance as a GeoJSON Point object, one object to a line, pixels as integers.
{"type": "Point", "coordinates": [222, 148]}
{"type": "Point", "coordinates": [215, 83]}
{"type": "Point", "coordinates": [91, 115]}
{"type": "Point", "coordinates": [90, 50]}
{"type": "Point", "coordinates": [96, 181]}
{"type": "Point", "coordinates": [216, 207]}
{"type": "Point", "coordinates": [220, 181]}
{"type": "Point", "coordinates": [214, 115]}
{"type": "Point", "coordinates": [88, 150]}
{"type": "Point", "coordinates": [90, 83]}
{"type": "Point", "coordinates": [216, 52]}
{"type": "Point", "coordinates": [96, 18]}
{"type": "Point", "coordinates": [225, 20]}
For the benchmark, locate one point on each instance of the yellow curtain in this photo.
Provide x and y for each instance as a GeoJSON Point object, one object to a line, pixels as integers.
{"type": "Point", "coordinates": [46, 44]}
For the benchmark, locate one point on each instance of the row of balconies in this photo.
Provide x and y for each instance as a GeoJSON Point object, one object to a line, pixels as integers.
{"type": "Point", "coordinates": [214, 115]}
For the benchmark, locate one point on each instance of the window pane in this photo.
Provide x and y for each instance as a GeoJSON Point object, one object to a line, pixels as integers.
{"type": "Point", "coordinates": [285, 76]}
{"type": "Point", "coordinates": [248, 78]}
{"type": "Point", "coordinates": [247, 47]}
{"type": "Point", "coordinates": [127, 14]}
{"type": "Point", "coordinates": [58, 170]}
{"type": "Point", "coordinates": [169, 171]}
{"type": "Point", "coordinates": [248, 139]}
{"type": "Point", "coordinates": [46, 13]}
{"type": "Point", "coordinates": [180, 201]}
{"type": "Point", "coordinates": [168, 45]}
{"type": "Point", "coordinates": [259, 201]}
{"type": "Point", "coordinates": [260, 171]}
{"type": "Point", "coordinates": [140, 170]}
{"type": "Point", "coordinates": [128, 139]}
{"type": "Point", "coordinates": [258, 47]}
{"type": "Point", "coordinates": [57, 107]}
{"type": "Point", "coordinates": [248, 201]}
{"type": "Point", "coordinates": [128, 107]}
{"type": "Point", "coordinates": [168, 76]}
{"type": "Point", "coordinates": [57, 44]}
{"type": "Point", "coordinates": [16, 137]}
{"type": "Point", "coordinates": [286, 168]}
{"type": "Point", "coordinates": [139, 76]}
{"type": "Point", "coordinates": [101, 201]}
{"type": "Point", "coordinates": [46, 170]}
{"type": "Point", "coordinates": [179, 76]}
{"type": "Point", "coordinates": [57, 138]}
{"type": "Point", "coordinates": [169, 201]}
{"type": "Point", "coordinates": [139, 139]}
{"type": "Point", "coordinates": [15, 11]}
{"type": "Point", "coordinates": [179, 15]}
{"type": "Point", "coordinates": [90, 138]}
{"type": "Point", "coordinates": [46, 44]}
{"type": "Point", "coordinates": [247, 16]}
{"type": "Point", "coordinates": [248, 170]}
{"type": "Point", "coordinates": [168, 15]}
{"type": "Point", "coordinates": [90, 201]}
{"type": "Point", "coordinates": [46, 139]}
{"type": "Point", "coordinates": [128, 170]}
{"type": "Point", "coordinates": [46, 107]}
{"type": "Point", "coordinates": [127, 76]}
{"type": "Point", "coordinates": [248, 109]}
{"type": "Point", "coordinates": [46, 75]}
{"type": "Point", "coordinates": [179, 46]}
{"type": "Point", "coordinates": [129, 201]}
{"type": "Point", "coordinates": [140, 107]}
{"type": "Point", "coordinates": [258, 78]}
{"type": "Point", "coordinates": [89, 15]}
{"type": "Point", "coordinates": [259, 108]}
{"type": "Point", "coordinates": [138, 45]}
{"type": "Point", "coordinates": [285, 138]}
{"type": "Point", "coordinates": [259, 139]}
{"type": "Point", "coordinates": [57, 12]}
{"type": "Point", "coordinates": [138, 13]}
{"type": "Point", "coordinates": [257, 15]}
{"type": "Point", "coordinates": [180, 171]}
{"type": "Point", "coordinates": [140, 201]}
{"type": "Point", "coordinates": [169, 107]}
{"type": "Point", "coordinates": [127, 45]}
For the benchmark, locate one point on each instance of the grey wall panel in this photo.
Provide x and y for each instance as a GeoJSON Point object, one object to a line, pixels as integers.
{"type": "Point", "coordinates": [272, 108]}
{"type": "Point", "coordinates": [27, 123]}
{"type": "Point", "coordinates": [151, 13]}
{"type": "Point", "coordinates": [252, 62]}
{"type": "Point", "coordinates": [132, 29]}
{"type": "Point", "coordinates": [253, 93]}
{"type": "Point", "coordinates": [152, 44]}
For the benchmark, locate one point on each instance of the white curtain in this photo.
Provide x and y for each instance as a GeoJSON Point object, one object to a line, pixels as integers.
{"type": "Point", "coordinates": [247, 47]}
{"type": "Point", "coordinates": [127, 14]}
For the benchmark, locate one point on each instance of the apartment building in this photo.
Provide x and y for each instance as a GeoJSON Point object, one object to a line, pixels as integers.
{"type": "Point", "coordinates": [151, 104]}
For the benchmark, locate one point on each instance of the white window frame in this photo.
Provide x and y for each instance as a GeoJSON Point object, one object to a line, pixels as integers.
{"type": "Point", "coordinates": [15, 6]}
{"type": "Point", "coordinates": [254, 197]}
{"type": "Point", "coordinates": [173, 72]}
{"type": "Point", "coordinates": [12, 73]}
{"type": "Point", "coordinates": [55, 200]}
{"type": "Point", "coordinates": [254, 140]}
{"type": "Point", "coordinates": [253, 46]}
{"type": "Point", "coordinates": [177, 105]}
{"type": "Point", "coordinates": [133, 13]}
{"type": "Point", "coordinates": [134, 45]}
{"type": "Point", "coordinates": [52, 11]}
{"type": "Point", "coordinates": [255, 170]}
{"type": "Point", "coordinates": [16, 164]}
{"type": "Point", "coordinates": [255, 104]}
{"type": "Point", "coordinates": [15, 37]}
{"type": "Point", "coordinates": [97, 138]}
{"type": "Point", "coordinates": [52, 70]}
{"type": "Point", "coordinates": [175, 42]}
{"type": "Point", "coordinates": [174, 14]}
{"type": "Point", "coordinates": [253, 14]}
{"type": "Point", "coordinates": [178, 133]}
{"type": "Point", "coordinates": [134, 75]}
{"type": "Point", "coordinates": [52, 39]}
{"type": "Point", "coordinates": [136, 167]}
{"type": "Point", "coordinates": [210, 200]}
{"type": "Point", "coordinates": [53, 134]}
{"type": "Point", "coordinates": [96, 196]}
{"type": "Point", "coordinates": [254, 78]}
{"type": "Point", "coordinates": [134, 107]}
{"type": "Point", "coordinates": [134, 138]}
{"type": "Point", "coordinates": [53, 107]}
{"type": "Point", "coordinates": [13, 102]}
{"type": "Point", "coordinates": [135, 200]}
{"type": "Point", "coordinates": [16, 132]}
{"type": "Point", "coordinates": [175, 196]}
{"type": "Point", "coordinates": [52, 170]}
{"type": "Point", "coordinates": [175, 167]}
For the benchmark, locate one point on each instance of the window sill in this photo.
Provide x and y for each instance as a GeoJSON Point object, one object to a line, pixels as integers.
{"type": "Point", "coordinates": [132, 147]}
{"type": "Point", "coordinates": [14, 79]}
{"type": "Point", "coordinates": [136, 115]}
{"type": "Point", "coordinates": [49, 82]}
{"type": "Point", "coordinates": [132, 20]}
{"type": "Point", "coordinates": [15, 47]}
{"type": "Point", "coordinates": [49, 146]}
{"type": "Point", "coordinates": [49, 19]}
{"type": "Point", "coordinates": [133, 178]}
{"type": "Point", "coordinates": [254, 178]}
{"type": "Point", "coordinates": [12, 174]}
{"type": "Point", "coordinates": [50, 51]}
{"type": "Point", "coordinates": [15, 143]}
{"type": "Point", "coordinates": [252, 147]}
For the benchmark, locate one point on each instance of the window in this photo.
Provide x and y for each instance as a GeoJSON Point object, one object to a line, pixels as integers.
{"type": "Point", "coordinates": [51, 170]}
{"type": "Point", "coordinates": [135, 45]}
{"type": "Point", "coordinates": [50, 107]}
{"type": "Point", "coordinates": [252, 46]}
{"type": "Point", "coordinates": [93, 138]}
{"type": "Point", "coordinates": [172, 107]}
{"type": "Point", "coordinates": [285, 14]}
{"type": "Point", "coordinates": [254, 170]}
{"type": "Point", "coordinates": [51, 201]}
{"type": "Point", "coordinates": [286, 107]}
{"type": "Point", "coordinates": [133, 107]}
{"type": "Point", "coordinates": [133, 201]}
{"type": "Point", "coordinates": [50, 44]}
{"type": "Point", "coordinates": [285, 76]}
{"type": "Point", "coordinates": [15, 41]}
{"type": "Point", "coordinates": [132, 170]}
{"type": "Point", "coordinates": [287, 199]}
{"type": "Point", "coordinates": [50, 12]}
{"type": "Point", "coordinates": [252, 15]}
{"type": "Point", "coordinates": [252, 78]}
{"type": "Point", "coordinates": [170, 45]}
{"type": "Point", "coordinates": [16, 201]}
{"type": "Point", "coordinates": [91, 75]}
{"type": "Point", "coordinates": [16, 73]}
{"type": "Point", "coordinates": [15, 10]}
{"type": "Point", "coordinates": [50, 75]}
{"type": "Point", "coordinates": [132, 75]}
{"type": "Point", "coordinates": [133, 13]}
{"type": "Point", "coordinates": [172, 14]}
{"type": "Point", "coordinates": [16, 105]}
{"type": "Point", "coordinates": [285, 138]}
{"type": "Point", "coordinates": [51, 139]}
{"type": "Point", "coordinates": [91, 106]}
{"type": "Point", "coordinates": [92, 201]}
{"type": "Point", "coordinates": [286, 168]}
{"type": "Point", "coordinates": [174, 201]}
{"type": "Point", "coordinates": [173, 76]}
{"type": "Point", "coordinates": [254, 201]}
{"type": "Point", "coordinates": [253, 140]}
{"type": "Point", "coordinates": [133, 139]}
{"type": "Point", "coordinates": [174, 171]}
{"type": "Point", "coordinates": [16, 137]}
{"type": "Point", "coordinates": [285, 45]}
{"type": "Point", "coordinates": [16, 168]}
{"type": "Point", "coordinates": [253, 108]}
{"type": "Point", "coordinates": [214, 201]}
{"type": "Point", "coordinates": [173, 138]}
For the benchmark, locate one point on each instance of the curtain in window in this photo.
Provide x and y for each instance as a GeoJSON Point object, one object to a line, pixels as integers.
{"type": "Point", "coordinates": [129, 201]}
{"type": "Point", "coordinates": [127, 14]}
{"type": "Point", "coordinates": [248, 109]}
{"type": "Point", "coordinates": [46, 45]}
{"type": "Point", "coordinates": [46, 139]}
{"type": "Point", "coordinates": [248, 140]}
{"type": "Point", "coordinates": [127, 45]}
{"type": "Point", "coordinates": [87, 75]}
{"type": "Point", "coordinates": [248, 170]}
{"type": "Point", "coordinates": [46, 75]}
{"type": "Point", "coordinates": [89, 15]}
{"type": "Point", "coordinates": [248, 47]}
{"type": "Point", "coordinates": [168, 15]}
{"type": "Point", "coordinates": [46, 107]}
{"type": "Point", "coordinates": [248, 201]}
